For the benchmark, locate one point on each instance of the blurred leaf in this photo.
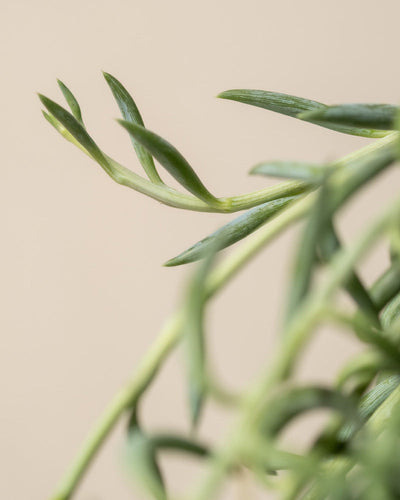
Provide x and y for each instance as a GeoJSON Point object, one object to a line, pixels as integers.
{"type": "Point", "coordinates": [77, 130]}
{"type": "Point", "coordinates": [306, 256]}
{"type": "Point", "coordinates": [358, 173]}
{"type": "Point", "coordinates": [291, 170]}
{"type": "Point", "coordinates": [370, 402]}
{"type": "Point", "coordinates": [140, 456]}
{"type": "Point", "coordinates": [293, 106]}
{"type": "Point", "coordinates": [386, 287]}
{"type": "Point", "coordinates": [131, 113]}
{"type": "Point", "coordinates": [371, 116]}
{"type": "Point", "coordinates": [329, 244]}
{"type": "Point", "coordinates": [360, 369]}
{"type": "Point", "coordinates": [194, 336]}
{"type": "Point", "coordinates": [172, 442]}
{"type": "Point", "coordinates": [171, 159]}
{"type": "Point", "coordinates": [294, 402]}
{"type": "Point", "coordinates": [232, 232]}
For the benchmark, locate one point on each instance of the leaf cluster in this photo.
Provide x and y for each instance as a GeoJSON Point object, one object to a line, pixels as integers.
{"type": "Point", "coordinates": [356, 455]}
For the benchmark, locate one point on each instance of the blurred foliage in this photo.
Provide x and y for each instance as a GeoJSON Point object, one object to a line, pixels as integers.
{"type": "Point", "coordinates": [356, 455]}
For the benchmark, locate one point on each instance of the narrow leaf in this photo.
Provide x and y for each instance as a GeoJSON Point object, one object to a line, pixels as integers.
{"type": "Point", "coordinates": [131, 113]}
{"type": "Point", "coordinates": [294, 402]}
{"type": "Point", "coordinates": [293, 106]}
{"type": "Point", "coordinates": [71, 101]}
{"type": "Point", "coordinates": [232, 232]}
{"type": "Point", "coordinates": [194, 335]}
{"type": "Point", "coordinates": [140, 457]}
{"type": "Point", "coordinates": [274, 101]}
{"type": "Point", "coordinates": [171, 159]}
{"type": "Point", "coordinates": [373, 116]}
{"type": "Point", "coordinates": [77, 130]}
{"type": "Point", "coordinates": [370, 403]}
{"type": "Point", "coordinates": [306, 257]}
{"type": "Point", "coordinates": [172, 442]}
{"type": "Point", "coordinates": [329, 244]}
{"type": "Point", "coordinates": [291, 169]}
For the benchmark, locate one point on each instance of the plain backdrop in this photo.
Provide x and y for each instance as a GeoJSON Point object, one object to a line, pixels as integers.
{"type": "Point", "coordinates": [83, 290]}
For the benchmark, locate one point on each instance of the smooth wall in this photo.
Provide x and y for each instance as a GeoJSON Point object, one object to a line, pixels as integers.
{"type": "Point", "coordinates": [83, 290]}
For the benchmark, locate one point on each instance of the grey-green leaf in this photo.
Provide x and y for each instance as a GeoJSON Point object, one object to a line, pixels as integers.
{"type": "Point", "coordinates": [372, 116]}
{"type": "Point", "coordinates": [131, 113]}
{"type": "Point", "coordinates": [290, 170]}
{"type": "Point", "coordinates": [140, 457]}
{"type": "Point", "coordinates": [171, 159]}
{"type": "Point", "coordinates": [71, 101]}
{"type": "Point", "coordinates": [293, 106]}
{"type": "Point", "coordinates": [77, 130]}
{"type": "Point", "coordinates": [232, 232]}
{"type": "Point", "coordinates": [273, 101]}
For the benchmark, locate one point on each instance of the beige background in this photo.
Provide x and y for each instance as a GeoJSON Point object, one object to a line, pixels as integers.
{"type": "Point", "coordinates": [83, 291]}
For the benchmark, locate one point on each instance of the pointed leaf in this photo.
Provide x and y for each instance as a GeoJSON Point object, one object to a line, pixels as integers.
{"type": "Point", "coordinates": [77, 130]}
{"type": "Point", "coordinates": [372, 116]}
{"type": "Point", "coordinates": [71, 101]}
{"type": "Point", "coordinates": [291, 170]}
{"type": "Point", "coordinates": [131, 113]}
{"type": "Point", "coordinates": [273, 101]}
{"type": "Point", "coordinates": [232, 232]}
{"type": "Point", "coordinates": [293, 106]}
{"type": "Point", "coordinates": [173, 442]}
{"type": "Point", "coordinates": [171, 160]}
{"type": "Point", "coordinates": [141, 460]}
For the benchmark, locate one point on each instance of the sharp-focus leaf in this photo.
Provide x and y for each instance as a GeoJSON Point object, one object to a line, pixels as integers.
{"type": "Point", "coordinates": [131, 113]}
{"type": "Point", "coordinates": [140, 456]}
{"type": "Point", "coordinates": [77, 130]}
{"type": "Point", "coordinates": [232, 232]}
{"type": "Point", "coordinates": [293, 106]}
{"type": "Point", "coordinates": [360, 371]}
{"type": "Point", "coordinates": [371, 116]}
{"type": "Point", "coordinates": [71, 101]}
{"type": "Point", "coordinates": [273, 101]}
{"type": "Point", "coordinates": [171, 159]}
{"type": "Point", "coordinates": [291, 170]}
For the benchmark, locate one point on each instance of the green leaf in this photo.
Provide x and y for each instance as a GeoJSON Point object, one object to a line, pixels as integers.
{"type": "Point", "coordinates": [140, 457]}
{"type": "Point", "coordinates": [71, 101]}
{"type": "Point", "coordinates": [293, 106]}
{"type": "Point", "coordinates": [329, 244]}
{"type": "Point", "coordinates": [173, 442]}
{"type": "Point", "coordinates": [232, 232]}
{"type": "Point", "coordinates": [194, 334]}
{"type": "Point", "coordinates": [372, 116]}
{"type": "Point", "coordinates": [370, 403]}
{"type": "Point", "coordinates": [306, 257]}
{"type": "Point", "coordinates": [293, 402]}
{"type": "Point", "coordinates": [273, 101]}
{"type": "Point", "coordinates": [291, 169]}
{"type": "Point", "coordinates": [77, 130]}
{"type": "Point", "coordinates": [171, 159]}
{"type": "Point", "coordinates": [131, 113]}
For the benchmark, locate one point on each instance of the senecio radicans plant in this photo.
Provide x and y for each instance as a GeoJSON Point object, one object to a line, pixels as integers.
{"type": "Point", "coordinates": [356, 455]}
